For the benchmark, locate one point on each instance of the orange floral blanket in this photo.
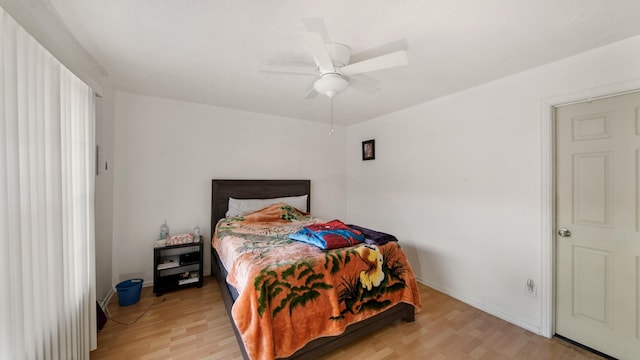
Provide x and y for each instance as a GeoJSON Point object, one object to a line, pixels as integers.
{"type": "Point", "coordinates": [292, 292]}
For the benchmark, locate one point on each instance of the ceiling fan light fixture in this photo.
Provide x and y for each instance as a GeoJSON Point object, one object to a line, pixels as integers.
{"type": "Point", "coordinates": [330, 84]}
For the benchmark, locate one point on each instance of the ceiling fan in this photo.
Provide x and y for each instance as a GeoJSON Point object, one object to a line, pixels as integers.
{"type": "Point", "coordinates": [335, 73]}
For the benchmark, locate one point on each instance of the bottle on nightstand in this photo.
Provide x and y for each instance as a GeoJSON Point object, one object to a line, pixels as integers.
{"type": "Point", "coordinates": [196, 233]}
{"type": "Point", "coordinates": [164, 230]}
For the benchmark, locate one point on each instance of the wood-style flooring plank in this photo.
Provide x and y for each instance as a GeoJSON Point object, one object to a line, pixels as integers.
{"type": "Point", "coordinates": [193, 324]}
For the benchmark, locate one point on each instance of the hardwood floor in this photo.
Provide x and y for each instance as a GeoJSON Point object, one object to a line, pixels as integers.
{"type": "Point", "coordinates": [193, 324]}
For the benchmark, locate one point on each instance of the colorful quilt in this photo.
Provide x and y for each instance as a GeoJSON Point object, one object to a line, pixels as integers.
{"type": "Point", "coordinates": [291, 292]}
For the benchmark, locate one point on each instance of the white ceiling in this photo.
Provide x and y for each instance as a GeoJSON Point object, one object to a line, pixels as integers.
{"type": "Point", "coordinates": [206, 51]}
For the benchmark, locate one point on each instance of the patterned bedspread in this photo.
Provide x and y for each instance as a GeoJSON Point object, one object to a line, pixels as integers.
{"type": "Point", "coordinates": [292, 292]}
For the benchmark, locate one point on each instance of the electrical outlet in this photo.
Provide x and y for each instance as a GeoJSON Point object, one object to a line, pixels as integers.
{"type": "Point", "coordinates": [531, 288]}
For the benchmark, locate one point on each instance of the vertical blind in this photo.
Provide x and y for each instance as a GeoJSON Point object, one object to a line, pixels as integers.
{"type": "Point", "coordinates": [47, 164]}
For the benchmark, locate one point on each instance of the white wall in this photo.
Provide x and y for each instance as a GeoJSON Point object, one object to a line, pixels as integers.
{"type": "Point", "coordinates": [168, 151]}
{"type": "Point", "coordinates": [460, 180]}
{"type": "Point", "coordinates": [104, 196]}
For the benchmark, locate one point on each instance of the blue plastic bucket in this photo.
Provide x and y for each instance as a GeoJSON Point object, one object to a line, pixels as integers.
{"type": "Point", "coordinates": [129, 291]}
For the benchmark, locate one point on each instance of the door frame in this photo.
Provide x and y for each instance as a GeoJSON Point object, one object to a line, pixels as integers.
{"type": "Point", "coordinates": [548, 187]}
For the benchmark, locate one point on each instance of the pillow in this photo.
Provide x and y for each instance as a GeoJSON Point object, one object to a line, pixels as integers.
{"type": "Point", "coordinates": [238, 207]}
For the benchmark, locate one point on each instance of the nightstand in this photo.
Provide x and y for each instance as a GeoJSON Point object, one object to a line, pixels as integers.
{"type": "Point", "coordinates": [177, 266]}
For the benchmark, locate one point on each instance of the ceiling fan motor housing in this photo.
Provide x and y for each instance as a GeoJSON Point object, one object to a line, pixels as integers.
{"type": "Point", "coordinates": [332, 82]}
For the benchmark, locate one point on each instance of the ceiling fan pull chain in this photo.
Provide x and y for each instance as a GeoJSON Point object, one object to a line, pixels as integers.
{"type": "Point", "coordinates": [331, 102]}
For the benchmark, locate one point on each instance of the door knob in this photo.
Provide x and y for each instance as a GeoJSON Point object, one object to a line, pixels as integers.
{"type": "Point", "coordinates": [564, 232]}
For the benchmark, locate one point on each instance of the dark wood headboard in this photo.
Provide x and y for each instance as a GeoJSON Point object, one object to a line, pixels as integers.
{"type": "Point", "coordinates": [222, 190]}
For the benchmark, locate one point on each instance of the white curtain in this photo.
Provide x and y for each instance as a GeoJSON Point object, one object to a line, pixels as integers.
{"type": "Point", "coordinates": [47, 167]}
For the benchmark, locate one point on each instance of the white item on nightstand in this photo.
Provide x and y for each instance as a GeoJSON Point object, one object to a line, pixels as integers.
{"type": "Point", "coordinates": [164, 230]}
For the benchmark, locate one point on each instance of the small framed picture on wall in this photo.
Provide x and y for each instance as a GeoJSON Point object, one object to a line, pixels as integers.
{"type": "Point", "coordinates": [368, 150]}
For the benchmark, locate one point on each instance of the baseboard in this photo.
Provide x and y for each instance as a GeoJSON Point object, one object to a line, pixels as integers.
{"type": "Point", "coordinates": [485, 308]}
{"type": "Point", "coordinates": [107, 299]}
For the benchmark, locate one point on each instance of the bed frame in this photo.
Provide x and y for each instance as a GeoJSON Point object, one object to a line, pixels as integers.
{"type": "Point", "coordinates": [221, 190]}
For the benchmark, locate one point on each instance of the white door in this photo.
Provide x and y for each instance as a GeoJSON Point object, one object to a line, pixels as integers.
{"type": "Point", "coordinates": [598, 224]}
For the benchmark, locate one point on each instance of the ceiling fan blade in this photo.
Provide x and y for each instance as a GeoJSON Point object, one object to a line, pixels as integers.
{"type": "Point", "coordinates": [311, 94]}
{"type": "Point", "coordinates": [398, 58]}
{"type": "Point", "coordinates": [363, 86]}
{"type": "Point", "coordinates": [370, 80]}
{"type": "Point", "coordinates": [316, 25]}
{"type": "Point", "coordinates": [288, 68]}
{"type": "Point", "coordinates": [318, 50]}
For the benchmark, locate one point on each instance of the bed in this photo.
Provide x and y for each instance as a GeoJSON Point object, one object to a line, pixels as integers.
{"type": "Point", "coordinates": [222, 191]}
